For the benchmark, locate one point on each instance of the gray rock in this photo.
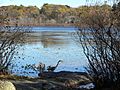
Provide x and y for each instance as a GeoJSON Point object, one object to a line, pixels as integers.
{"type": "Point", "coordinates": [6, 85]}
{"type": "Point", "coordinates": [87, 86]}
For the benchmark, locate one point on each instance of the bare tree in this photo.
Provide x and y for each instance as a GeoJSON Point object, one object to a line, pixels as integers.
{"type": "Point", "coordinates": [11, 37]}
{"type": "Point", "coordinates": [99, 35]}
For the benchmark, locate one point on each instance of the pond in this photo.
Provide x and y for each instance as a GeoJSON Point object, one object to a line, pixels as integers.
{"type": "Point", "coordinates": [48, 45]}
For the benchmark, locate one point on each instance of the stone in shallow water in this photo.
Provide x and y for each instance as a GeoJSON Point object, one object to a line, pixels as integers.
{"type": "Point", "coordinates": [6, 85]}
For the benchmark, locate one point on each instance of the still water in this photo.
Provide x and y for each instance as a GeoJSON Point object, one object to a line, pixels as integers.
{"type": "Point", "coordinates": [48, 45]}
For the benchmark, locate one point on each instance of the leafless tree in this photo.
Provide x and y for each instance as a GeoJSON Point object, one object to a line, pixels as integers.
{"type": "Point", "coordinates": [99, 35]}
{"type": "Point", "coordinates": [11, 37]}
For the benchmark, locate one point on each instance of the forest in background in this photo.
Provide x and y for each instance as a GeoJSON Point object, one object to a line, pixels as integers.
{"type": "Point", "coordinates": [49, 14]}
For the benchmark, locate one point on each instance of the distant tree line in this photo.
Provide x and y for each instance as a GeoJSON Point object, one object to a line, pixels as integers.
{"type": "Point", "coordinates": [48, 14]}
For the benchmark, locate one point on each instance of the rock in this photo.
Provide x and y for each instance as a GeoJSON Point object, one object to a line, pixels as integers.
{"type": "Point", "coordinates": [87, 86]}
{"type": "Point", "coordinates": [76, 80]}
{"type": "Point", "coordinates": [6, 85]}
{"type": "Point", "coordinates": [60, 74]}
{"type": "Point", "coordinates": [50, 86]}
{"type": "Point", "coordinates": [70, 79]}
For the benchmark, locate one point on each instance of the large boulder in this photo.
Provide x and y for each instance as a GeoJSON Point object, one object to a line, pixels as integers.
{"type": "Point", "coordinates": [6, 85]}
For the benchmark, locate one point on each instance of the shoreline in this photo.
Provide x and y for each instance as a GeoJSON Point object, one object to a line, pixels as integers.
{"type": "Point", "coordinates": [43, 25]}
{"type": "Point", "coordinates": [59, 81]}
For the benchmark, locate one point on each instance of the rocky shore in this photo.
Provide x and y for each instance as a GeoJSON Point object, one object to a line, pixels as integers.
{"type": "Point", "coordinates": [53, 81]}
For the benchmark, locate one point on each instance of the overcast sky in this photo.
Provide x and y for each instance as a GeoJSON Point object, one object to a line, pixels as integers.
{"type": "Point", "coordinates": [39, 3]}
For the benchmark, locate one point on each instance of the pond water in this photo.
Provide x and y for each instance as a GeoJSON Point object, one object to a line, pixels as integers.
{"type": "Point", "coordinates": [48, 45]}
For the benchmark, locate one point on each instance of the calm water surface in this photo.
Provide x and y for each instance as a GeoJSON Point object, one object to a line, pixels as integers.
{"type": "Point", "coordinates": [48, 45]}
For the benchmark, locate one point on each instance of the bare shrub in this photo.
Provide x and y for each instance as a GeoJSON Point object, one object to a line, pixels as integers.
{"type": "Point", "coordinates": [99, 35]}
{"type": "Point", "coordinates": [11, 37]}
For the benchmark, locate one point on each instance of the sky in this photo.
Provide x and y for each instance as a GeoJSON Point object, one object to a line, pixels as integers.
{"type": "Point", "coordinates": [39, 3]}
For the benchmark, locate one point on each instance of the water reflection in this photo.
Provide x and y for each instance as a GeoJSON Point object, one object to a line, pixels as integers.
{"type": "Point", "coordinates": [48, 47]}
{"type": "Point", "coordinates": [48, 39]}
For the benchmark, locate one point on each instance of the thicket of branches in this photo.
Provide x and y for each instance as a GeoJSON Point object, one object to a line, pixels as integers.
{"type": "Point", "coordinates": [99, 35]}
{"type": "Point", "coordinates": [11, 37]}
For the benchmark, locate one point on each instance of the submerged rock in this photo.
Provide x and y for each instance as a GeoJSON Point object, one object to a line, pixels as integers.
{"type": "Point", "coordinates": [6, 85]}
